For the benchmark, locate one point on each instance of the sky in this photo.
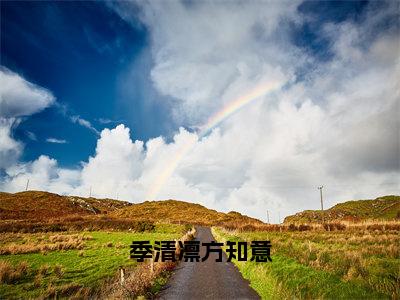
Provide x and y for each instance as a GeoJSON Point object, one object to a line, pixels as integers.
{"type": "Point", "coordinates": [244, 106]}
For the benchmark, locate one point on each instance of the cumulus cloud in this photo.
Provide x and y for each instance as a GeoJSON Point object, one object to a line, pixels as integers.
{"type": "Point", "coordinates": [56, 141]}
{"type": "Point", "coordinates": [10, 149]}
{"type": "Point", "coordinates": [43, 174]}
{"type": "Point", "coordinates": [122, 158]}
{"type": "Point", "coordinates": [337, 125]}
{"type": "Point", "coordinates": [18, 98]}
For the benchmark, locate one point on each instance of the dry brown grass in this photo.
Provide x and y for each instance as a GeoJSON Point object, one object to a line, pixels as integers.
{"type": "Point", "coordinates": [58, 270]}
{"type": "Point", "coordinates": [37, 282]}
{"type": "Point", "coordinates": [10, 273]}
{"type": "Point", "coordinates": [68, 291]}
{"type": "Point", "coordinates": [44, 205]}
{"type": "Point", "coordinates": [41, 244]}
{"type": "Point", "coordinates": [78, 223]}
{"type": "Point", "coordinates": [367, 226]}
{"type": "Point", "coordinates": [44, 270]}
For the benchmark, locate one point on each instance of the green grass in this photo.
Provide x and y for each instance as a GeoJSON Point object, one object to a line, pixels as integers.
{"type": "Point", "coordinates": [382, 208]}
{"type": "Point", "coordinates": [289, 277]}
{"type": "Point", "coordinates": [98, 262]}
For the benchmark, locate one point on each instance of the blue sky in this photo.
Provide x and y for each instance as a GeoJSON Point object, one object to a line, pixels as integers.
{"type": "Point", "coordinates": [82, 51]}
{"type": "Point", "coordinates": [79, 69]}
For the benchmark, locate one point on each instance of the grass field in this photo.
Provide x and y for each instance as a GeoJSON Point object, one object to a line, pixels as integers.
{"type": "Point", "coordinates": [324, 264]}
{"type": "Point", "coordinates": [44, 264]}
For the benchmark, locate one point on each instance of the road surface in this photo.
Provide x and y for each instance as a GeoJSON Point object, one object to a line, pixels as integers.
{"type": "Point", "coordinates": [208, 279]}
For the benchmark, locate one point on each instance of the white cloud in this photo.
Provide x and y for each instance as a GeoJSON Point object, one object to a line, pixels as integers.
{"type": "Point", "coordinates": [31, 136]}
{"type": "Point", "coordinates": [56, 141]}
{"type": "Point", "coordinates": [108, 121]}
{"type": "Point", "coordinates": [10, 149]}
{"type": "Point", "coordinates": [206, 53]}
{"type": "Point", "coordinates": [19, 97]}
{"type": "Point", "coordinates": [338, 127]}
{"type": "Point", "coordinates": [85, 123]}
{"type": "Point", "coordinates": [108, 173]}
{"type": "Point", "coordinates": [43, 174]}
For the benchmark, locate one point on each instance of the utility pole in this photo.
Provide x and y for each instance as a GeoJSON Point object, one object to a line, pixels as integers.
{"type": "Point", "coordinates": [267, 216]}
{"type": "Point", "coordinates": [90, 192]}
{"type": "Point", "coordinates": [322, 202]}
{"type": "Point", "coordinates": [279, 217]}
{"type": "Point", "coordinates": [27, 185]}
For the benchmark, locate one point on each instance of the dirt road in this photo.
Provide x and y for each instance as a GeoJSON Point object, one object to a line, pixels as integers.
{"type": "Point", "coordinates": [208, 279]}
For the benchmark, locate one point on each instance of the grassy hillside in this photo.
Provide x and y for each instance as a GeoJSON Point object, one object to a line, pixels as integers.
{"type": "Point", "coordinates": [181, 212]}
{"type": "Point", "coordinates": [382, 208]}
{"type": "Point", "coordinates": [44, 205]}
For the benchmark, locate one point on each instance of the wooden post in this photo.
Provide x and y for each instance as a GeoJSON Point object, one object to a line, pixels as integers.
{"type": "Point", "coordinates": [152, 263]}
{"type": "Point", "coordinates": [177, 249]}
{"type": "Point", "coordinates": [122, 279]}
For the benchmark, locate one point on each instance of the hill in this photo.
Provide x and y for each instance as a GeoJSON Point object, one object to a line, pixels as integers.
{"type": "Point", "coordinates": [175, 211]}
{"type": "Point", "coordinates": [43, 205]}
{"type": "Point", "coordinates": [382, 208]}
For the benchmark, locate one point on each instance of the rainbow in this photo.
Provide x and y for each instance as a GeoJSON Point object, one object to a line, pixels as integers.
{"type": "Point", "coordinates": [213, 121]}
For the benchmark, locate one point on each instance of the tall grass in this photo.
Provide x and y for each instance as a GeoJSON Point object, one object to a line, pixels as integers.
{"type": "Point", "coordinates": [367, 260]}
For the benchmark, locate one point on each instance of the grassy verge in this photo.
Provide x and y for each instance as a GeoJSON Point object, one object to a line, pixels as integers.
{"type": "Point", "coordinates": [66, 271]}
{"type": "Point", "coordinates": [290, 277]}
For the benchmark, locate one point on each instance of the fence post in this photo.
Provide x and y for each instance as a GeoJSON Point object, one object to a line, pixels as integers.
{"type": "Point", "coordinates": [152, 262]}
{"type": "Point", "coordinates": [122, 279]}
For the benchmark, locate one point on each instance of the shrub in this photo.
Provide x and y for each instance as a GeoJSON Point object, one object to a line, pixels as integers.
{"type": "Point", "coordinates": [144, 226]}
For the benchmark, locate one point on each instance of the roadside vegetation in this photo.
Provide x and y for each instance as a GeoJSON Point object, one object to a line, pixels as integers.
{"type": "Point", "coordinates": [79, 264]}
{"type": "Point", "coordinates": [54, 246]}
{"type": "Point", "coordinates": [324, 262]}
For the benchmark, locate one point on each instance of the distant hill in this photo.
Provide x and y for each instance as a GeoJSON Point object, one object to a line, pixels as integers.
{"type": "Point", "coordinates": [181, 212]}
{"type": "Point", "coordinates": [382, 208]}
{"type": "Point", "coordinates": [43, 205]}
{"type": "Point", "coordinates": [37, 205]}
